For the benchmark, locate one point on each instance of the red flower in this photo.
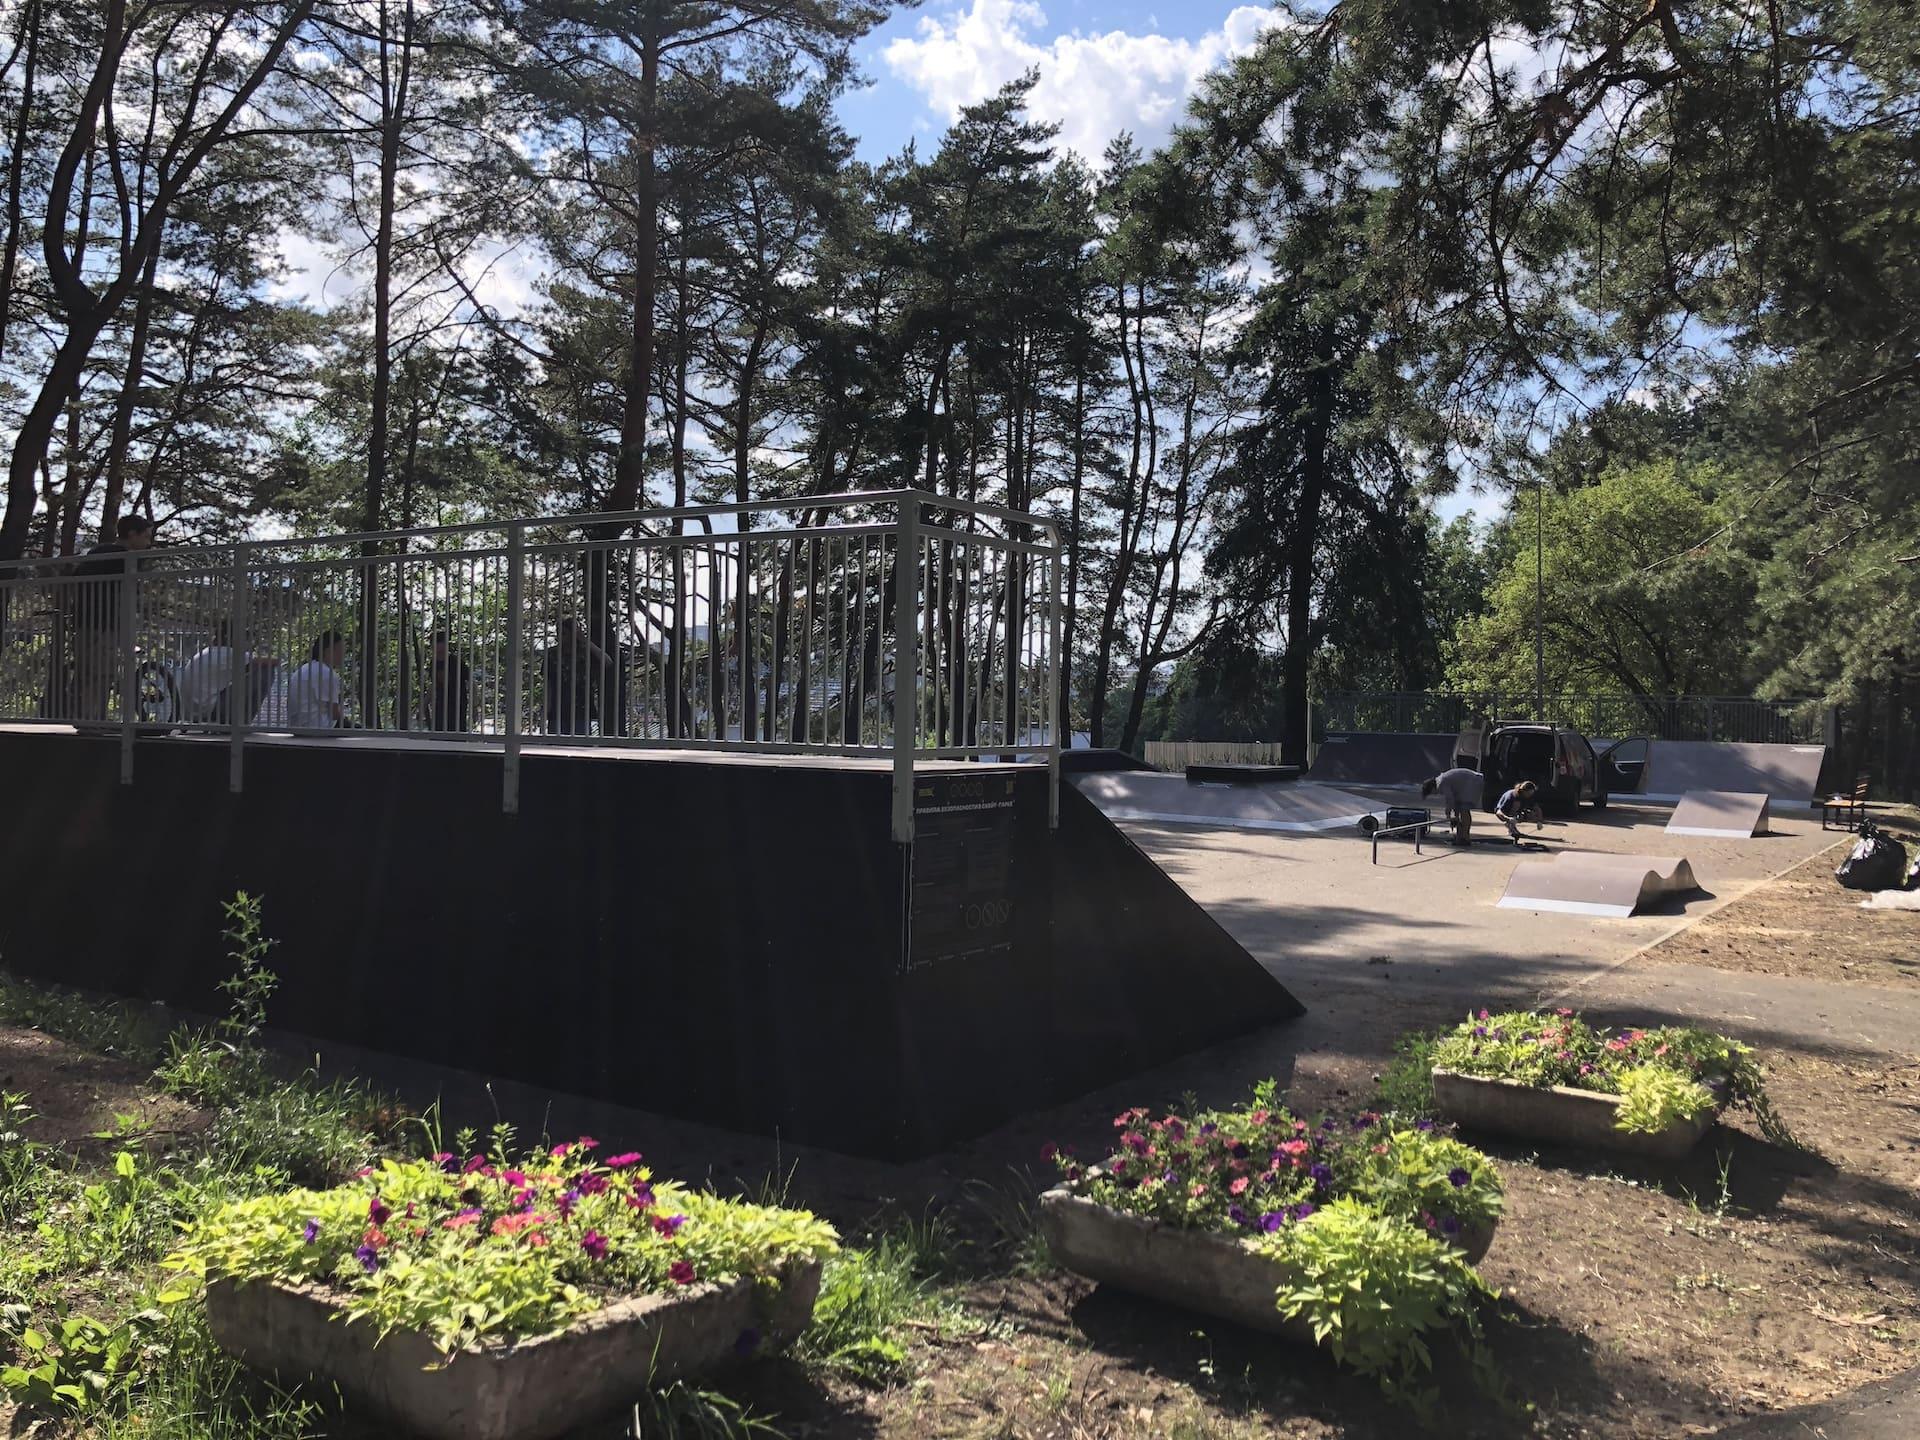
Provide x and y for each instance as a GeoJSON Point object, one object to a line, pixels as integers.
{"type": "Point", "coordinates": [681, 1273]}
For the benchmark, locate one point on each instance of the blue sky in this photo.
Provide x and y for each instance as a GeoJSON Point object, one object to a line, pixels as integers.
{"type": "Point", "coordinates": [1105, 65]}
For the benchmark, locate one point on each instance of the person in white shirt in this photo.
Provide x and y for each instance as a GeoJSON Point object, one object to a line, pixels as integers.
{"type": "Point", "coordinates": [202, 682]}
{"type": "Point", "coordinates": [309, 698]}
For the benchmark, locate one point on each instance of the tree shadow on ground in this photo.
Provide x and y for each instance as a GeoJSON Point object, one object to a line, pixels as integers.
{"type": "Point", "coordinates": [1729, 1168]}
{"type": "Point", "coordinates": [1529, 1360]}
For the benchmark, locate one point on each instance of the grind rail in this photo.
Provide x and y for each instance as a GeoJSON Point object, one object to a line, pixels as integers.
{"type": "Point", "coordinates": [893, 626]}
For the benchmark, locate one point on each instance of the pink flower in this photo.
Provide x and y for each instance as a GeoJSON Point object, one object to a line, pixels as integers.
{"type": "Point", "coordinates": [591, 1184]}
{"type": "Point", "coordinates": [1239, 1187]}
{"type": "Point", "coordinates": [621, 1162]}
{"type": "Point", "coordinates": [595, 1244]}
{"type": "Point", "coordinates": [477, 1163]}
{"type": "Point", "coordinates": [461, 1221]}
{"type": "Point", "coordinates": [587, 1142]}
{"type": "Point", "coordinates": [515, 1178]}
{"type": "Point", "coordinates": [681, 1273]}
{"type": "Point", "coordinates": [560, 1150]}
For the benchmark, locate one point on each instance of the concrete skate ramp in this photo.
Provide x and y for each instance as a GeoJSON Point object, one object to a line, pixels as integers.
{"type": "Point", "coordinates": [1357, 758]}
{"type": "Point", "coordinates": [1727, 814]}
{"type": "Point", "coordinates": [1173, 799]}
{"type": "Point", "coordinates": [1785, 774]}
{"type": "Point", "coordinates": [1582, 882]}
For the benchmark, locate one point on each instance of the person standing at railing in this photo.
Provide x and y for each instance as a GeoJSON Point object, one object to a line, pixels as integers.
{"type": "Point", "coordinates": [574, 673]}
{"type": "Point", "coordinates": [309, 698]}
{"type": "Point", "coordinates": [97, 602]}
{"type": "Point", "coordinates": [449, 688]}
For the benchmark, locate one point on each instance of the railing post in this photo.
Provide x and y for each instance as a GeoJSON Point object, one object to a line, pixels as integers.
{"type": "Point", "coordinates": [510, 772]}
{"type": "Point", "coordinates": [906, 665]}
{"type": "Point", "coordinates": [239, 691]}
{"type": "Point", "coordinates": [1055, 719]}
{"type": "Point", "coordinates": [129, 667]}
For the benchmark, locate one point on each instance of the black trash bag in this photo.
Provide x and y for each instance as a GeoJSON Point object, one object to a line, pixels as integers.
{"type": "Point", "coordinates": [1876, 862]}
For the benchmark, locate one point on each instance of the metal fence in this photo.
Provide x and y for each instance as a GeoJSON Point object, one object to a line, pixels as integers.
{"type": "Point", "coordinates": [1665, 717]}
{"type": "Point", "coordinates": [892, 625]}
{"type": "Point", "coordinates": [1178, 754]}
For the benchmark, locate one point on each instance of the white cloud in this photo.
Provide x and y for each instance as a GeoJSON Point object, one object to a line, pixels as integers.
{"type": "Point", "coordinates": [1094, 85]}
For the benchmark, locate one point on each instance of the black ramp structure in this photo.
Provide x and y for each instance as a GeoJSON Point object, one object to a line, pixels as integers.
{"type": "Point", "coordinates": [736, 940]}
{"type": "Point", "coordinates": [1363, 758]}
{"type": "Point", "coordinates": [1785, 774]}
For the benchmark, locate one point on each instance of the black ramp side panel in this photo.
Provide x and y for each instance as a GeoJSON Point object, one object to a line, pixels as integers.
{"type": "Point", "coordinates": [1143, 973]}
{"type": "Point", "coordinates": [1358, 758]}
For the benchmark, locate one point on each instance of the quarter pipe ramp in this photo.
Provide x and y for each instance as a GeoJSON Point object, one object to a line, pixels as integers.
{"type": "Point", "coordinates": [1582, 882]}
{"type": "Point", "coordinates": [1726, 814]}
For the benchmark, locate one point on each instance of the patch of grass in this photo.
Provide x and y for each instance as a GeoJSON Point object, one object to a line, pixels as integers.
{"type": "Point", "coordinates": [1405, 1088]}
{"type": "Point", "coordinates": [870, 1298]}
{"type": "Point", "coordinates": [1010, 1213]}
{"type": "Point", "coordinates": [107, 1027]}
{"type": "Point", "coordinates": [685, 1412]}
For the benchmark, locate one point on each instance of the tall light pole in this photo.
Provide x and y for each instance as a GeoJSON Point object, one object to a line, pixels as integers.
{"type": "Point", "coordinates": [1540, 599]}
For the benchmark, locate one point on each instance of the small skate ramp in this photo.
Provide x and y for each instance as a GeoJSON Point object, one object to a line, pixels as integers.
{"type": "Point", "coordinates": [1359, 758]}
{"type": "Point", "coordinates": [1582, 882]}
{"type": "Point", "coordinates": [1728, 814]}
{"type": "Point", "coordinates": [1173, 799]}
{"type": "Point", "coordinates": [1785, 774]}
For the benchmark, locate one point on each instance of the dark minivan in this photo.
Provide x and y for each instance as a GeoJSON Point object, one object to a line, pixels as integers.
{"type": "Point", "coordinates": [1558, 760]}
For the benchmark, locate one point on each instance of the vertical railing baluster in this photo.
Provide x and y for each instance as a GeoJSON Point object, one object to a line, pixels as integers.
{"type": "Point", "coordinates": [510, 769]}
{"type": "Point", "coordinates": [239, 690]}
{"type": "Point", "coordinates": [129, 669]}
{"type": "Point", "coordinates": [906, 665]}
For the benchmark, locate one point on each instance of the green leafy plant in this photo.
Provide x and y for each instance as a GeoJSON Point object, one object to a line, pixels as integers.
{"type": "Point", "coordinates": [465, 1253]}
{"type": "Point", "coordinates": [1374, 1288]}
{"type": "Point", "coordinates": [1653, 1099]}
{"type": "Point", "coordinates": [22, 1163]}
{"type": "Point", "coordinates": [76, 1363]}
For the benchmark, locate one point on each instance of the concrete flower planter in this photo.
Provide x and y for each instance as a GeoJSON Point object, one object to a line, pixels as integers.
{"type": "Point", "coordinates": [525, 1389]}
{"type": "Point", "coordinates": [1199, 1270]}
{"type": "Point", "coordinates": [1558, 1115]}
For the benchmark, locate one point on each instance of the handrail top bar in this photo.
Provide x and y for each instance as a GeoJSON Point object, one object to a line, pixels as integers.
{"type": "Point", "coordinates": [595, 519]}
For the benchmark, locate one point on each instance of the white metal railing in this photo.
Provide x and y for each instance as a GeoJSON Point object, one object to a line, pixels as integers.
{"type": "Point", "coordinates": [775, 627]}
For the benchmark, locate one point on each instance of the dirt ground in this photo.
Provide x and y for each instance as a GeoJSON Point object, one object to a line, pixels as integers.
{"type": "Point", "coordinates": [1805, 925]}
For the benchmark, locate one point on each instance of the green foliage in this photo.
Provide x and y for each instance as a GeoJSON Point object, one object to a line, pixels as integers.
{"type": "Point", "coordinates": [1405, 1088]}
{"type": "Point", "coordinates": [1374, 1289]}
{"type": "Point", "coordinates": [686, 1412]}
{"type": "Point", "coordinates": [1630, 607]}
{"type": "Point", "coordinates": [465, 1255]}
{"type": "Point", "coordinates": [22, 1162]}
{"type": "Point", "coordinates": [76, 1364]}
{"type": "Point", "coordinates": [1654, 1098]}
{"type": "Point", "coordinates": [1415, 1174]}
{"type": "Point", "coordinates": [868, 1296]}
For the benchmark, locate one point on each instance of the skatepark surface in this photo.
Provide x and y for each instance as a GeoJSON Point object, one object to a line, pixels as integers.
{"type": "Point", "coordinates": [1310, 905]}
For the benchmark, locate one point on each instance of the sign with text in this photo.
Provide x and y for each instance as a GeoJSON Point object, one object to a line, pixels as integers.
{"type": "Point", "coordinates": [962, 868]}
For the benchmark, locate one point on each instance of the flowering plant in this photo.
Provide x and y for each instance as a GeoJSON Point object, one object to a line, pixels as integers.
{"type": "Point", "coordinates": [465, 1250]}
{"type": "Point", "coordinates": [1666, 1074]}
{"type": "Point", "coordinates": [1261, 1168]}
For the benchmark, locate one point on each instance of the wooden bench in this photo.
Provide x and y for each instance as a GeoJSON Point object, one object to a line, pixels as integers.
{"type": "Point", "coordinates": [1845, 812]}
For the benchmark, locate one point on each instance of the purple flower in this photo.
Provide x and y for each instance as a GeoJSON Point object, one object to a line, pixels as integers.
{"type": "Point", "coordinates": [747, 1342]}
{"type": "Point", "coordinates": [565, 1203]}
{"type": "Point", "coordinates": [1326, 1123]}
{"type": "Point", "coordinates": [1239, 1150]}
{"type": "Point", "coordinates": [447, 1162]}
{"type": "Point", "coordinates": [1460, 1178]}
{"type": "Point", "coordinates": [1364, 1119]}
{"type": "Point", "coordinates": [595, 1244]}
{"type": "Point", "coordinates": [377, 1211]}
{"type": "Point", "coordinates": [1423, 1125]}
{"type": "Point", "coordinates": [591, 1184]}
{"type": "Point", "coordinates": [669, 1224]}
{"type": "Point", "coordinates": [1322, 1176]}
{"type": "Point", "coordinates": [1479, 1032]}
{"type": "Point", "coordinates": [1303, 1209]}
{"type": "Point", "coordinates": [312, 1231]}
{"type": "Point", "coordinates": [1449, 1226]}
{"type": "Point", "coordinates": [368, 1257]}
{"type": "Point", "coordinates": [1237, 1215]}
{"type": "Point", "coordinates": [1273, 1220]}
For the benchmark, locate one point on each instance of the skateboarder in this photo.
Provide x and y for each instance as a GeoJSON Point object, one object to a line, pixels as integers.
{"type": "Point", "coordinates": [1518, 804]}
{"type": "Point", "coordinates": [1459, 789]}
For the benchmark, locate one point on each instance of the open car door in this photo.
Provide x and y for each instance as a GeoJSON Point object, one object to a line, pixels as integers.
{"type": "Point", "coordinates": [1623, 765]}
